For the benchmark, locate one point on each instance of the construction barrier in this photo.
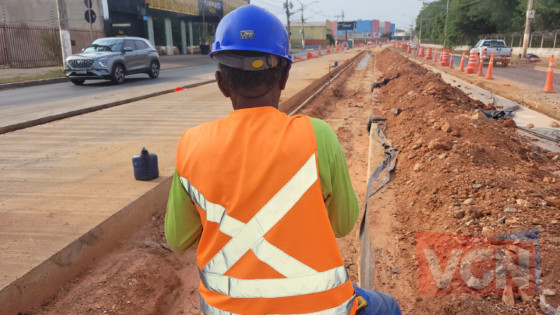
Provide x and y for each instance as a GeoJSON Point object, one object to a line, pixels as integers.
{"type": "Point", "coordinates": [444, 60]}
{"type": "Point", "coordinates": [421, 53]}
{"type": "Point", "coordinates": [429, 54]}
{"type": "Point", "coordinates": [548, 86]}
{"type": "Point", "coordinates": [451, 59]}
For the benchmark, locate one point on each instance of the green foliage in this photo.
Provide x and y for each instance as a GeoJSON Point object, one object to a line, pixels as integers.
{"type": "Point", "coordinates": [469, 19]}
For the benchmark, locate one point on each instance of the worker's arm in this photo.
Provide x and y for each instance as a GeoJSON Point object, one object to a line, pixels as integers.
{"type": "Point", "coordinates": [339, 196]}
{"type": "Point", "coordinates": [182, 221]}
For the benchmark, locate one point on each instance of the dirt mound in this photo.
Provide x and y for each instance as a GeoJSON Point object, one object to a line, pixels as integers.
{"type": "Point", "coordinates": [459, 172]}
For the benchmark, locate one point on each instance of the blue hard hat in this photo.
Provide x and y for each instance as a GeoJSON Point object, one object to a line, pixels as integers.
{"type": "Point", "coordinates": [251, 28]}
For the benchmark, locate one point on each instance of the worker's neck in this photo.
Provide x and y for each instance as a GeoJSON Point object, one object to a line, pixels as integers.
{"type": "Point", "coordinates": [269, 99]}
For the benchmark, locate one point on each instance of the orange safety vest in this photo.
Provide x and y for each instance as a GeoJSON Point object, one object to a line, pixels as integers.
{"type": "Point", "coordinates": [267, 246]}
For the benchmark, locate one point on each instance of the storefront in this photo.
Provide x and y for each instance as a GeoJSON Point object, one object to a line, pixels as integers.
{"type": "Point", "coordinates": [173, 26]}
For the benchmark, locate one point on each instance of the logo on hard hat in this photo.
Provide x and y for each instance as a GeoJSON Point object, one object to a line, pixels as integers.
{"type": "Point", "coordinates": [249, 34]}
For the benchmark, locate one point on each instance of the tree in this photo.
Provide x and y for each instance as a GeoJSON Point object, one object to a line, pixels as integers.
{"type": "Point", "coordinates": [468, 20]}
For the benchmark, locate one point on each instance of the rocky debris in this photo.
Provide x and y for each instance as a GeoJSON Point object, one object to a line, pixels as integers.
{"type": "Point", "coordinates": [507, 297]}
{"type": "Point", "coordinates": [530, 126]}
{"type": "Point", "coordinates": [440, 144]}
{"type": "Point", "coordinates": [468, 202]}
{"type": "Point", "coordinates": [510, 210]}
{"type": "Point", "coordinates": [554, 124]}
{"type": "Point", "coordinates": [549, 292]}
{"type": "Point", "coordinates": [446, 127]}
{"type": "Point", "coordinates": [547, 308]}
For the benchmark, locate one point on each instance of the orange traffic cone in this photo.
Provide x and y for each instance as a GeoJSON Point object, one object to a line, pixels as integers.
{"type": "Point", "coordinates": [309, 55]}
{"type": "Point", "coordinates": [408, 49]}
{"type": "Point", "coordinates": [435, 56]}
{"type": "Point", "coordinates": [471, 66]}
{"type": "Point", "coordinates": [548, 87]}
{"type": "Point", "coordinates": [451, 59]}
{"type": "Point", "coordinates": [462, 64]}
{"type": "Point", "coordinates": [177, 89]}
{"type": "Point", "coordinates": [490, 67]}
{"type": "Point", "coordinates": [421, 53]}
{"type": "Point", "coordinates": [480, 71]}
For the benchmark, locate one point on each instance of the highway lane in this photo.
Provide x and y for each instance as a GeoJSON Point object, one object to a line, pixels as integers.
{"type": "Point", "coordinates": [26, 104]}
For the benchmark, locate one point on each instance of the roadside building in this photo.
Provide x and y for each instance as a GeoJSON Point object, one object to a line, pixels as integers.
{"type": "Point", "coordinates": [316, 33]}
{"type": "Point", "coordinates": [30, 28]}
{"type": "Point", "coordinates": [363, 31]}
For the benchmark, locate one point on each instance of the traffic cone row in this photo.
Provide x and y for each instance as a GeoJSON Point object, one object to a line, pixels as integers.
{"type": "Point", "coordinates": [475, 63]}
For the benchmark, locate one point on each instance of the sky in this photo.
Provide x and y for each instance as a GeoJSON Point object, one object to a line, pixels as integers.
{"type": "Point", "coordinates": [401, 12]}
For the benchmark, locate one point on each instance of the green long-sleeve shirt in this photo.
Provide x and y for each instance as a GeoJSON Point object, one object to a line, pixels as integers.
{"type": "Point", "coordinates": [182, 221]}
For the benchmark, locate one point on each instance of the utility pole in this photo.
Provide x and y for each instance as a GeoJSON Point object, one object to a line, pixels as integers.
{"type": "Point", "coordinates": [529, 16]}
{"type": "Point", "coordinates": [421, 18]}
{"type": "Point", "coordinates": [445, 29]}
{"type": "Point", "coordinates": [65, 43]}
{"type": "Point", "coordinates": [302, 29]}
{"type": "Point", "coordinates": [336, 35]}
{"type": "Point", "coordinates": [288, 7]}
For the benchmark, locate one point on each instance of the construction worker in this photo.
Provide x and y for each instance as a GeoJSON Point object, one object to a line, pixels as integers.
{"type": "Point", "coordinates": [264, 194]}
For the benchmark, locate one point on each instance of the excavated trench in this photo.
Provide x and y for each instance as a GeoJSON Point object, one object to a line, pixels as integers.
{"type": "Point", "coordinates": [455, 174]}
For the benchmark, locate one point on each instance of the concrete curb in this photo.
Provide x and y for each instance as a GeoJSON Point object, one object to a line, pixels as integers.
{"type": "Point", "coordinates": [45, 280]}
{"type": "Point", "coordinates": [52, 118]}
{"type": "Point", "coordinates": [23, 84]}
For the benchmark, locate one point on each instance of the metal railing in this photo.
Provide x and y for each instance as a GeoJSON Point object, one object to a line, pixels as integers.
{"type": "Point", "coordinates": [33, 47]}
{"type": "Point", "coordinates": [538, 39]}
{"type": "Point", "coordinates": [29, 47]}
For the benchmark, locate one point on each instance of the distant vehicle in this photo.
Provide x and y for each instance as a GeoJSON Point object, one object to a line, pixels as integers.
{"type": "Point", "coordinates": [485, 47]}
{"type": "Point", "coordinates": [112, 58]}
{"type": "Point", "coordinates": [531, 58]}
{"type": "Point", "coordinates": [412, 45]}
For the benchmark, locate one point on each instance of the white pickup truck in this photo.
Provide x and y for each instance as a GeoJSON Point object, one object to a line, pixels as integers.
{"type": "Point", "coordinates": [485, 47]}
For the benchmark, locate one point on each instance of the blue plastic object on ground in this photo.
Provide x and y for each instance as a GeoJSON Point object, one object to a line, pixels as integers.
{"type": "Point", "coordinates": [145, 165]}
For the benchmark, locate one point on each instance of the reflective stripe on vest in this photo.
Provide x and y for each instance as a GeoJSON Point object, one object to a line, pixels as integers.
{"type": "Point", "coordinates": [300, 278]}
{"type": "Point", "coordinates": [344, 308]}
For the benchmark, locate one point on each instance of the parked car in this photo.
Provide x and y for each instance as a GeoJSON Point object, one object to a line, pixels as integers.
{"type": "Point", "coordinates": [112, 58]}
{"type": "Point", "coordinates": [485, 47]}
